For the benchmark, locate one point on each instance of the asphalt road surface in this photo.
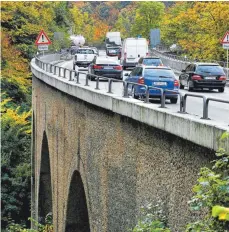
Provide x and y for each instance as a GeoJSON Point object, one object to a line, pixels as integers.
{"type": "Point", "coordinates": [217, 111]}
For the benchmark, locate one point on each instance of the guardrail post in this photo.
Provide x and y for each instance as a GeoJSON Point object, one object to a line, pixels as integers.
{"type": "Point", "coordinates": [46, 67]}
{"type": "Point", "coordinates": [110, 85]}
{"type": "Point", "coordinates": [147, 94]}
{"type": "Point", "coordinates": [70, 75]}
{"type": "Point", "coordinates": [59, 72]}
{"type": "Point", "coordinates": [86, 80]}
{"type": "Point", "coordinates": [97, 83]}
{"type": "Point", "coordinates": [205, 108]}
{"type": "Point", "coordinates": [77, 77]}
{"type": "Point", "coordinates": [55, 67]}
{"type": "Point", "coordinates": [181, 103]}
{"type": "Point", "coordinates": [50, 68]}
{"type": "Point", "coordinates": [125, 89]}
{"type": "Point", "coordinates": [184, 103]}
{"type": "Point", "coordinates": [162, 99]}
{"type": "Point", "coordinates": [65, 72]}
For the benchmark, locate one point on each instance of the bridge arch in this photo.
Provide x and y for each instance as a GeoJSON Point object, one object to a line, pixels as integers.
{"type": "Point", "coordinates": [77, 213]}
{"type": "Point", "coordinates": [45, 185]}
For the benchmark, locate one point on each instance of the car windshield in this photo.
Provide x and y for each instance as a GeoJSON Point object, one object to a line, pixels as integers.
{"type": "Point", "coordinates": [152, 61]}
{"type": "Point", "coordinates": [210, 69]}
{"type": "Point", "coordinates": [162, 73]}
{"type": "Point", "coordinates": [85, 51]}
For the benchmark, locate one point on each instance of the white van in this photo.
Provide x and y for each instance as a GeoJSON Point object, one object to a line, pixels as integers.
{"type": "Point", "coordinates": [132, 50]}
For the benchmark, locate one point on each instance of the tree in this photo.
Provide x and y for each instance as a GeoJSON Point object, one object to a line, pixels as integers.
{"type": "Point", "coordinates": [148, 16]}
{"type": "Point", "coordinates": [16, 79]}
{"type": "Point", "coordinates": [125, 21]}
{"type": "Point", "coordinates": [211, 193]}
{"type": "Point", "coordinates": [197, 27]}
{"type": "Point", "coordinates": [83, 23]}
{"type": "Point", "coordinates": [15, 166]}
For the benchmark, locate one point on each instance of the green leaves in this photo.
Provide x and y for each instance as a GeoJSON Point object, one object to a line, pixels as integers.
{"type": "Point", "coordinates": [211, 191]}
{"type": "Point", "coordinates": [197, 27]}
{"type": "Point", "coordinates": [148, 16]}
{"type": "Point", "coordinates": [152, 219]}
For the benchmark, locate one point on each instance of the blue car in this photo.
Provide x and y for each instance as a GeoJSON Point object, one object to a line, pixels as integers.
{"type": "Point", "coordinates": [160, 77]}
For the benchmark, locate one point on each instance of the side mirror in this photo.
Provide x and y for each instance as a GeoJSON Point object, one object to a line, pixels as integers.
{"type": "Point", "coordinates": [182, 70]}
{"type": "Point", "coordinates": [126, 74]}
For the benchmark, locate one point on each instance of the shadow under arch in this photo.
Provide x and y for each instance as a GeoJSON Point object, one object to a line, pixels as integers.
{"type": "Point", "coordinates": [45, 187]}
{"type": "Point", "coordinates": [77, 213]}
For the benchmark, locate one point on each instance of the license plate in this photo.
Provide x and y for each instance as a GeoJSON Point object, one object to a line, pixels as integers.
{"type": "Point", "coordinates": [160, 83]}
{"type": "Point", "coordinates": [112, 51]}
{"type": "Point", "coordinates": [131, 58]}
{"type": "Point", "coordinates": [107, 67]}
{"type": "Point", "coordinates": [209, 78]}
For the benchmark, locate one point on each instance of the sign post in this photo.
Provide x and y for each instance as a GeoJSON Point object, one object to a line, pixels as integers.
{"type": "Point", "coordinates": [225, 43]}
{"type": "Point", "coordinates": [42, 41]}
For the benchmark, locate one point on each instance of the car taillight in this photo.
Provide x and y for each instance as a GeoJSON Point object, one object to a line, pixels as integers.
{"type": "Point", "coordinates": [161, 65]}
{"type": "Point", "coordinates": [117, 67]}
{"type": "Point", "coordinates": [222, 78]}
{"type": "Point", "coordinates": [141, 80]}
{"type": "Point", "coordinates": [97, 66]}
{"type": "Point", "coordinates": [125, 55]}
{"type": "Point", "coordinates": [196, 77]}
{"type": "Point", "coordinates": [176, 83]}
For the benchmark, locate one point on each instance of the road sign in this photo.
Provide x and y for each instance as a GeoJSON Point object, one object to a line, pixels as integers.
{"type": "Point", "coordinates": [44, 47]}
{"type": "Point", "coordinates": [225, 39]}
{"type": "Point", "coordinates": [226, 46]}
{"type": "Point", "coordinates": [42, 39]}
{"type": "Point", "coordinates": [225, 42]}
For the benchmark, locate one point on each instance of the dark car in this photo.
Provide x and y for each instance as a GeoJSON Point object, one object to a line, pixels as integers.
{"type": "Point", "coordinates": [150, 60]}
{"type": "Point", "coordinates": [112, 51]}
{"type": "Point", "coordinates": [160, 77]}
{"type": "Point", "coordinates": [203, 75]}
{"type": "Point", "coordinates": [103, 66]}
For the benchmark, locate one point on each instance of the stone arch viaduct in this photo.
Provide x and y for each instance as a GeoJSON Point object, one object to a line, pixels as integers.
{"type": "Point", "coordinates": [97, 158]}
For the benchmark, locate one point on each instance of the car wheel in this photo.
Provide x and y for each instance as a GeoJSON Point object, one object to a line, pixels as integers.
{"type": "Point", "coordinates": [189, 88]}
{"type": "Point", "coordinates": [74, 67]}
{"type": "Point", "coordinates": [92, 78]}
{"type": "Point", "coordinates": [133, 94]}
{"type": "Point", "coordinates": [181, 86]}
{"type": "Point", "coordinates": [173, 100]}
{"type": "Point", "coordinates": [221, 90]}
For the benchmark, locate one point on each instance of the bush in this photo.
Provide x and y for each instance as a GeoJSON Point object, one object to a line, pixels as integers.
{"type": "Point", "coordinates": [151, 220]}
{"type": "Point", "coordinates": [212, 190]}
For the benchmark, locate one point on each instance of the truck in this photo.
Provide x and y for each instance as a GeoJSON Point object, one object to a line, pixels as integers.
{"type": "Point", "coordinates": [113, 39]}
{"type": "Point", "coordinates": [83, 57]}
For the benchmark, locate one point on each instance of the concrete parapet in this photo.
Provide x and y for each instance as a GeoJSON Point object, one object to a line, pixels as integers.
{"type": "Point", "coordinates": [202, 132]}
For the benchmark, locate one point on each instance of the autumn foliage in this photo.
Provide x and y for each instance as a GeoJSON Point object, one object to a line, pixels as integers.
{"type": "Point", "coordinates": [196, 26]}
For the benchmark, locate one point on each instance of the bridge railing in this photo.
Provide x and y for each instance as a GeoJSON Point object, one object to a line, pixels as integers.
{"type": "Point", "coordinates": [68, 74]}
{"type": "Point", "coordinates": [179, 63]}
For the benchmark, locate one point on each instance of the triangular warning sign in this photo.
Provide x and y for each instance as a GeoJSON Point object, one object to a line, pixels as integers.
{"type": "Point", "coordinates": [42, 38]}
{"type": "Point", "coordinates": [225, 39]}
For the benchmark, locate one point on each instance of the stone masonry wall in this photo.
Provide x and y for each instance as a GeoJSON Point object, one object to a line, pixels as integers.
{"type": "Point", "coordinates": [123, 163]}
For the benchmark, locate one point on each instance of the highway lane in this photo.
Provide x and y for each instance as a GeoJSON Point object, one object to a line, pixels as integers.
{"type": "Point", "coordinates": [217, 111]}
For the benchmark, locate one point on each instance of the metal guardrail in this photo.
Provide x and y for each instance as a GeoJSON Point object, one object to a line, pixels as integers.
{"type": "Point", "coordinates": [51, 68]}
{"type": "Point", "coordinates": [185, 59]}
{"type": "Point", "coordinates": [205, 116]}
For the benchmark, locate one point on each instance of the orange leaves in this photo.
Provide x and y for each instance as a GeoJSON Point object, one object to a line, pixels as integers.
{"type": "Point", "coordinates": [100, 31]}
{"type": "Point", "coordinates": [197, 27]}
{"type": "Point", "coordinates": [15, 69]}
